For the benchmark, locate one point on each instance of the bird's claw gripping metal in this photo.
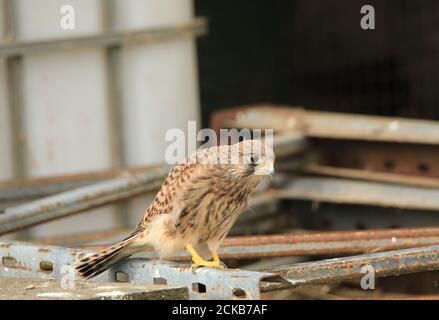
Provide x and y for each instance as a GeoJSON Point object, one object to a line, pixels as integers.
{"type": "Point", "coordinates": [199, 262]}
{"type": "Point", "coordinates": [210, 264]}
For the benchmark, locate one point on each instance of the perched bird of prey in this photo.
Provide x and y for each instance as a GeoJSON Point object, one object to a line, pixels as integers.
{"type": "Point", "coordinates": [197, 205]}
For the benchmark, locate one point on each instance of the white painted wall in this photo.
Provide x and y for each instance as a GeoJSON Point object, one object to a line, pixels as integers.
{"type": "Point", "coordinates": [6, 167]}
{"type": "Point", "coordinates": [65, 107]}
{"type": "Point", "coordinates": [135, 14]}
{"type": "Point", "coordinates": [159, 84]}
{"type": "Point", "coordinates": [67, 128]}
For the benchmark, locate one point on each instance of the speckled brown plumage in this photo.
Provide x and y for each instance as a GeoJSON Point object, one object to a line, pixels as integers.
{"type": "Point", "coordinates": [196, 206]}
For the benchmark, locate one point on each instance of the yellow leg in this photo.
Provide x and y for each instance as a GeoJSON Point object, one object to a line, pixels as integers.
{"type": "Point", "coordinates": [200, 262]}
{"type": "Point", "coordinates": [217, 259]}
{"type": "Point", "coordinates": [215, 256]}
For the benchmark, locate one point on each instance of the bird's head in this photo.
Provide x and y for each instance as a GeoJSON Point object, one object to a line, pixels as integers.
{"type": "Point", "coordinates": [255, 160]}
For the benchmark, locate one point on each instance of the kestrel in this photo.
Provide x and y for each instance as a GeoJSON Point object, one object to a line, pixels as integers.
{"type": "Point", "coordinates": [197, 205]}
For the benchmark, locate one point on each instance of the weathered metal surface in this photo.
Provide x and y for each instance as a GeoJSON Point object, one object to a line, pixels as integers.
{"type": "Point", "coordinates": [31, 261]}
{"type": "Point", "coordinates": [22, 189]}
{"type": "Point", "coordinates": [79, 200]}
{"type": "Point", "coordinates": [348, 126]}
{"type": "Point", "coordinates": [262, 208]}
{"type": "Point", "coordinates": [36, 289]}
{"type": "Point", "coordinates": [326, 236]}
{"type": "Point", "coordinates": [289, 143]}
{"type": "Point", "coordinates": [347, 144]}
{"type": "Point", "coordinates": [284, 143]}
{"type": "Point", "coordinates": [324, 243]}
{"type": "Point", "coordinates": [261, 116]}
{"type": "Point", "coordinates": [204, 283]}
{"type": "Point", "coordinates": [17, 194]}
{"type": "Point", "coordinates": [21, 260]}
{"type": "Point", "coordinates": [407, 160]}
{"type": "Point", "coordinates": [349, 268]}
{"type": "Point", "coordinates": [315, 243]}
{"type": "Point", "coordinates": [81, 239]}
{"type": "Point", "coordinates": [196, 27]}
{"type": "Point", "coordinates": [423, 182]}
{"type": "Point", "coordinates": [331, 124]}
{"type": "Point", "coordinates": [324, 189]}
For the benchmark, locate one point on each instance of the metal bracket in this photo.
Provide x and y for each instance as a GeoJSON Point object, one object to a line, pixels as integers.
{"type": "Point", "coordinates": [22, 260]}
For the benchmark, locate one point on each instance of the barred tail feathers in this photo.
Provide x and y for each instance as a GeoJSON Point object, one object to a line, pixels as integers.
{"type": "Point", "coordinates": [97, 263]}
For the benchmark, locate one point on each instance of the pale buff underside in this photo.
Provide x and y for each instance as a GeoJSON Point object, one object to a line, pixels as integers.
{"type": "Point", "coordinates": [165, 240]}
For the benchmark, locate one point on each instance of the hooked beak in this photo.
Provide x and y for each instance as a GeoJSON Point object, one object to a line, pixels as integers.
{"type": "Point", "coordinates": [266, 171]}
{"type": "Point", "coordinates": [271, 172]}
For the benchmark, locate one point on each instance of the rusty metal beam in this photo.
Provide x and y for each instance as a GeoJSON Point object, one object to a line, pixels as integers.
{"type": "Point", "coordinates": [332, 125]}
{"type": "Point", "coordinates": [336, 190]}
{"type": "Point", "coordinates": [79, 200]}
{"type": "Point", "coordinates": [347, 145]}
{"type": "Point", "coordinates": [360, 174]}
{"type": "Point", "coordinates": [396, 162]}
{"type": "Point", "coordinates": [327, 243]}
{"type": "Point", "coordinates": [337, 270]}
{"type": "Point", "coordinates": [311, 243]}
{"type": "Point", "coordinates": [24, 189]}
{"type": "Point", "coordinates": [27, 260]}
{"type": "Point", "coordinates": [235, 248]}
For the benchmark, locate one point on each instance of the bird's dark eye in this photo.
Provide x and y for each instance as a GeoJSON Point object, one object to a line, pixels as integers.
{"type": "Point", "coordinates": [254, 159]}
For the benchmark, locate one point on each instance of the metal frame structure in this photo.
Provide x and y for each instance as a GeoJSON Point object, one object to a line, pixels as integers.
{"type": "Point", "coordinates": [80, 199]}
{"type": "Point", "coordinates": [388, 252]}
{"type": "Point", "coordinates": [30, 261]}
{"type": "Point", "coordinates": [110, 39]}
{"type": "Point", "coordinates": [20, 260]}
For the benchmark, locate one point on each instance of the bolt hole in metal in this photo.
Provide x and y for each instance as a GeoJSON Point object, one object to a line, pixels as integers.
{"type": "Point", "coordinates": [9, 261]}
{"type": "Point", "coordinates": [122, 276]}
{"type": "Point", "coordinates": [423, 167]}
{"type": "Point", "coordinates": [239, 293]}
{"type": "Point", "coordinates": [389, 165]}
{"type": "Point", "coordinates": [160, 280]}
{"type": "Point", "coordinates": [46, 266]}
{"type": "Point", "coordinates": [199, 287]}
{"type": "Point", "coordinates": [360, 226]}
{"type": "Point", "coordinates": [355, 163]}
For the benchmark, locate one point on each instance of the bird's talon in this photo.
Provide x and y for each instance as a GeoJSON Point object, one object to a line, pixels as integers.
{"type": "Point", "coordinates": [210, 264]}
{"type": "Point", "coordinates": [199, 262]}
